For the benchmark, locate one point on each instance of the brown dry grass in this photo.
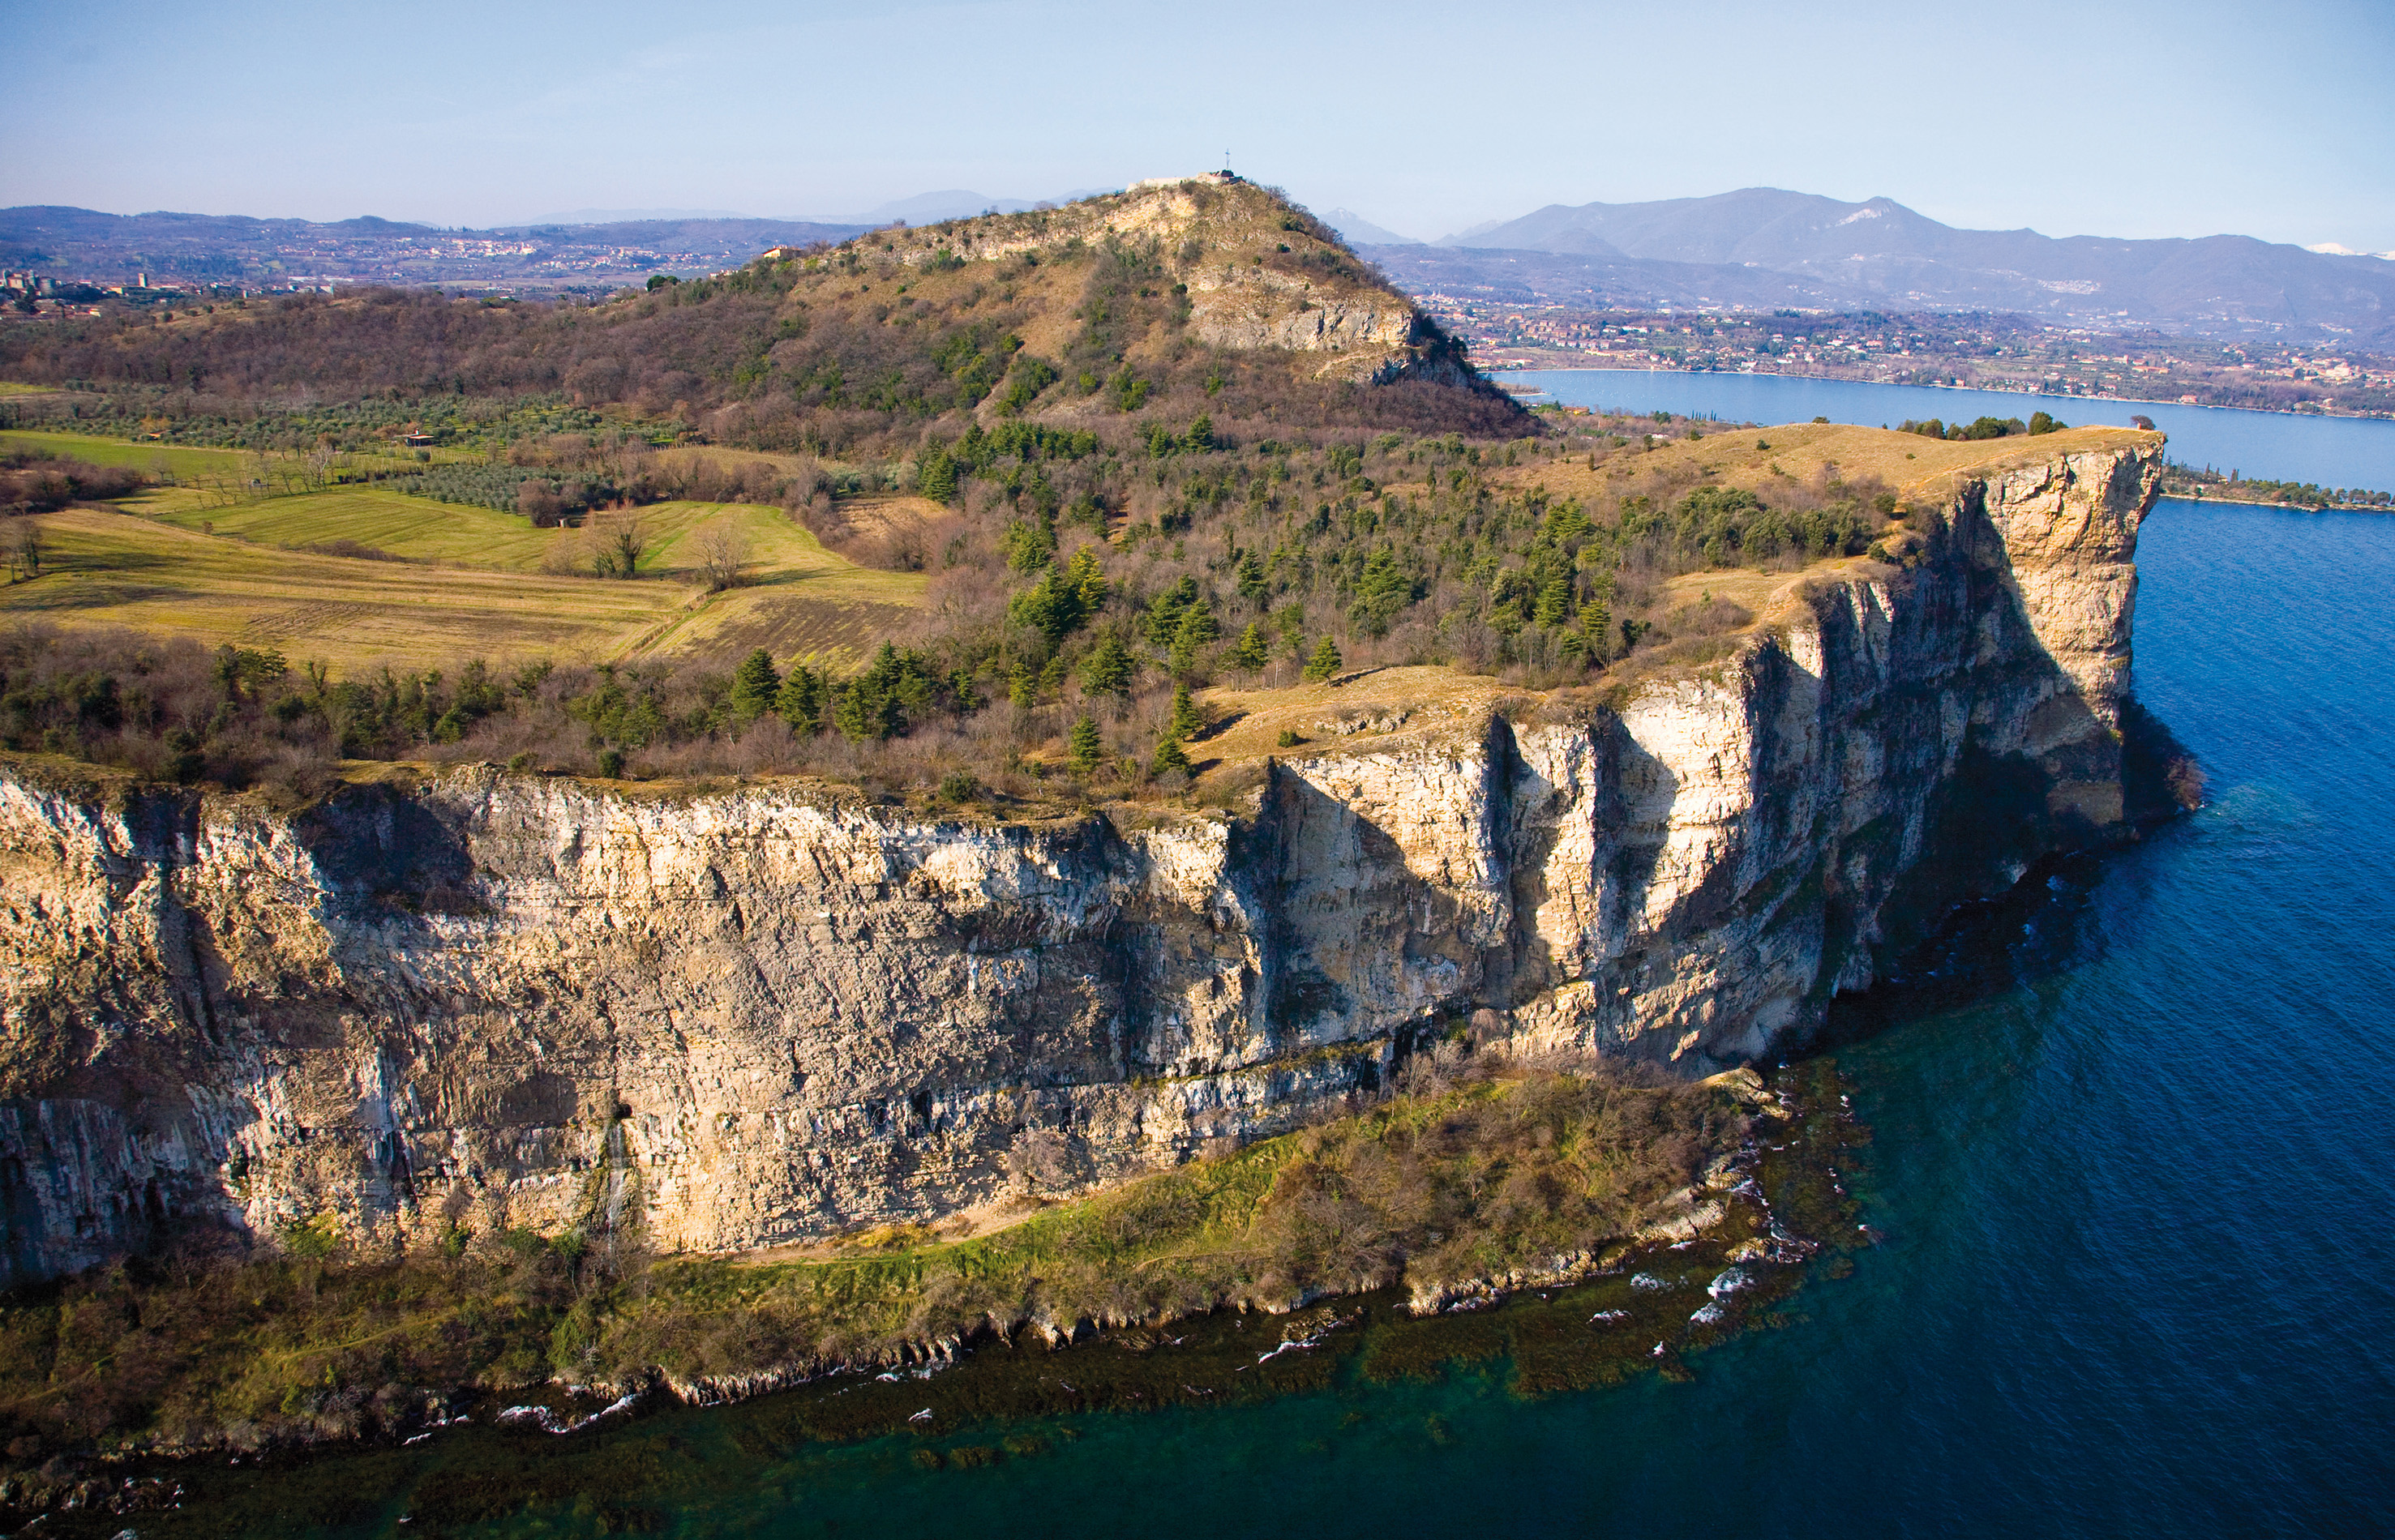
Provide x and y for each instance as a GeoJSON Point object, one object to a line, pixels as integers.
{"type": "Point", "coordinates": [1387, 709]}
{"type": "Point", "coordinates": [1377, 711]}
{"type": "Point", "coordinates": [1798, 451]}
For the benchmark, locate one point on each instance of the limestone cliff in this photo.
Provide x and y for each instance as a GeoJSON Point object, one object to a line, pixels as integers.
{"type": "Point", "coordinates": [1256, 273]}
{"type": "Point", "coordinates": [758, 1014]}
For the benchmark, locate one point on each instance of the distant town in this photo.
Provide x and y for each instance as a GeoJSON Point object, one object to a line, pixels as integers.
{"type": "Point", "coordinates": [77, 256]}
{"type": "Point", "coordinates": [1988, 351]}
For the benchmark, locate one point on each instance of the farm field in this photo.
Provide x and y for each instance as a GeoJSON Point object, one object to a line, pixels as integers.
{"type": "Point", "coordinates": [172, 459]}
{"type": "Point", "coordinates": [470, 584]}
{"type": "Point", "coordinates": [417, 528]}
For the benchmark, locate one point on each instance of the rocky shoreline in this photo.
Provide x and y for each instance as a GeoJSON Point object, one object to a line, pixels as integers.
{"type": "Point", "coordinates": [1768, 1218]}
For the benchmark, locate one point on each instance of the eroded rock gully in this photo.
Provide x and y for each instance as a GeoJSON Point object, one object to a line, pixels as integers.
{"type": "Point", "coordinates": [758, 1014]}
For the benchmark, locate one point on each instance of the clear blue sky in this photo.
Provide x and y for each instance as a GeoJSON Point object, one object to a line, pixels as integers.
{"type": "Point", "coordinates": [2140, 119]}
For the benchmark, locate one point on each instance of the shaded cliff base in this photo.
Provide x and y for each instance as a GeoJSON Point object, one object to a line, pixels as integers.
{"type": "Point", "coordinates": [2044, 925]}
{"type": "Point", "coordinates": [1012, 1400]}
{"type": "Point", "coordinates": [1481, 1182]}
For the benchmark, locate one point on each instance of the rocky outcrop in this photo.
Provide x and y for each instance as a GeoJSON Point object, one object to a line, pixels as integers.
{"type": "Point", "coordinates": [1256, 276]}
{"type": "Point", "coordinates": [754, 1015]}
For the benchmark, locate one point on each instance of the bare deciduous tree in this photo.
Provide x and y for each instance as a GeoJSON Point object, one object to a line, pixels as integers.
{"type": "Point", "coordinates": [724, 553]}
{"type": "Point", "coordinates": [619, 541]}
{"type": "Point", "coordinates": [24, 548]}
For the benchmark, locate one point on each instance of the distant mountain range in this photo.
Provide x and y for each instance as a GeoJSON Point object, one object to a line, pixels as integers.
{"type": "Point", "coordinates": [1356, 231]}
{"type": "Point", "coordinates": [585, 249]}
{"type": "Point", "coordinates": [1763, 247]}
{"type": "Point", "coordinates": [1760, 248]}
{"type": "Point", "coordinates": [232, 249]}
{"type": "Point", "coordinates": [924, 208]}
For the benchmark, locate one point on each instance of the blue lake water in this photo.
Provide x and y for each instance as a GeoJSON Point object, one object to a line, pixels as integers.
{"type": "Point", "coordinates": [2137, 1275]}
{"type": "Point", "coordinates": [2333, 452]}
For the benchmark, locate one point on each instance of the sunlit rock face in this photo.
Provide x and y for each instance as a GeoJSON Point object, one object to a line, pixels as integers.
{"type": "Point", "coordinates": [762, 1014]}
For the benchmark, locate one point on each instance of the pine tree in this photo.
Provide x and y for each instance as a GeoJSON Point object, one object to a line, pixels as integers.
{"type": "Point", "coordinates": [936, 476]}
{"type": "Point", "coordinates": [1196, 629]}
{"type": "Point", "coordinates": [1596, 620]}
{"type": "Point", "coordinates": [1108, 670]}
{"type": "Point", "coordinates": [800, 701]}
{"type": "Point", "coordinates": [1324, 662]}
{"type": "Point", "coordinates": [1252, 584]}
{"type": "Point", "coordinates": [1022, 687]}
{"type": "Point", "coordinates": [755, 684]}
{"type": "Point", "coordinates": [1086, 745]}
{"type": "Point", "coordinates": [1252, 652]}
{"type": "Point", "coordinates": [1187, 718]}
{"type": "Point", "coordinates": [1170, 756]}
{"type": "Point", "coordinates": [1555, 602]}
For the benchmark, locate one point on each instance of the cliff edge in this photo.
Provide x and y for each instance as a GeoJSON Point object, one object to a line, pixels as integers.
{"type": "Point", "coordinates": [763, 1013]}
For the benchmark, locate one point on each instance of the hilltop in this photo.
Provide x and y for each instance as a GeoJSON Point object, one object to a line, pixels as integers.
{"type": "Point", "coordinates": [1204, 293]}
{"type": "Point", "coordinates": [1018, 510]}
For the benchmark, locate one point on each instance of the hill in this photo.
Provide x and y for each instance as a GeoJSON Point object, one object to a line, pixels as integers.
{"type": "Point", "coordinates": [206, 249]}
{"type": "Point", "coordinates": [1044, 480]}
{"type": "Point", "coordinates": [1081, 624]}
{"type": "Point", "coordinates": [1202, 290]}
{"type": "Point", "coordinates": [1764, 245]}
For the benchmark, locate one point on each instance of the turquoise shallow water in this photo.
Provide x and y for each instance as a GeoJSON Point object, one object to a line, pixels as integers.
{"type": "Point", "coordinates": [2131, 1167]}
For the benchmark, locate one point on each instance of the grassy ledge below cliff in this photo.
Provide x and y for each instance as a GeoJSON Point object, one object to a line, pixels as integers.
{"type": "Point", "coordinates": [1461, 1187]}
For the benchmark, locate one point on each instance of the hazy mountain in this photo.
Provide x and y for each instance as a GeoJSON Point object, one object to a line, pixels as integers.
{"type": "Point", "coordinates": [206, 248]}
{"type": "Point", "coordinates": [1356, 231]}
{"type": "Point", "coordinates": [621, 215]}
{"type": "Point", "coordinates": [1881, 253]}
{"type": "Point", "coordinates": [1565, 278]}
{"type": "Point", "coordinates": [930, 208]}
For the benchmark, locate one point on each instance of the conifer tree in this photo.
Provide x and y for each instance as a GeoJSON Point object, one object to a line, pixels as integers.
{"type": "Point", "coordinates": [755, 686]}
{"type": "Point", "coordinates": [1108, 670]}
{"type": "Point", "coordinates": [800, 701]}
{"type": "Point", "coordinates": [1253, 652]}
{"type": "Point", "coordinates": [1555, 602]}
{"type": "Point", "coordinates": [1086, 745]}
{"type": "Point", "coordinates": [1170, 756]}
{"type": "Point", "coordinates": [1324, 662]}
{"type": "Point", "coordinates": [1187, 718]}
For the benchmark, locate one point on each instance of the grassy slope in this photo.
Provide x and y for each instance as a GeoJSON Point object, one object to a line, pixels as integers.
{"type": "Point", "coordinates": [487, 597]}
{"type": "Point", "coordinates": [173, 459]}
{"type": "Point", "coordinates": [1736, 458]}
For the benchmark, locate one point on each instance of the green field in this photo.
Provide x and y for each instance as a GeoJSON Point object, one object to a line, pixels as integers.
{"type": "Point", "coordinates": [418, 528]}
{"type": "Point", "coordinates": [472, 582]}
{"type": "Point", "coordinates": [170, 459]}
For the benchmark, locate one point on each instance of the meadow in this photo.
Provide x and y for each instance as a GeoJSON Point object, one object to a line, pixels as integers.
{"type": "Point", "coordinates": [409, 582]}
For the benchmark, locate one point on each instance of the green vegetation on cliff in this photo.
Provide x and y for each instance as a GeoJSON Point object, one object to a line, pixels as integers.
{"type": "Point", "coordinates": [1435, 1190]}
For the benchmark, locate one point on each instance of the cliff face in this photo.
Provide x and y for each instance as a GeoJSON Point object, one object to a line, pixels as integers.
{"type": "Point", "coordinates": [761, 1014]}
{"type": "Point", "coordinates": [1254, 278]}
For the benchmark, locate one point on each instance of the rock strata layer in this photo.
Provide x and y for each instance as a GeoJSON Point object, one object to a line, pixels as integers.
{"type": "Point", "coordinates": [756, 1015]}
